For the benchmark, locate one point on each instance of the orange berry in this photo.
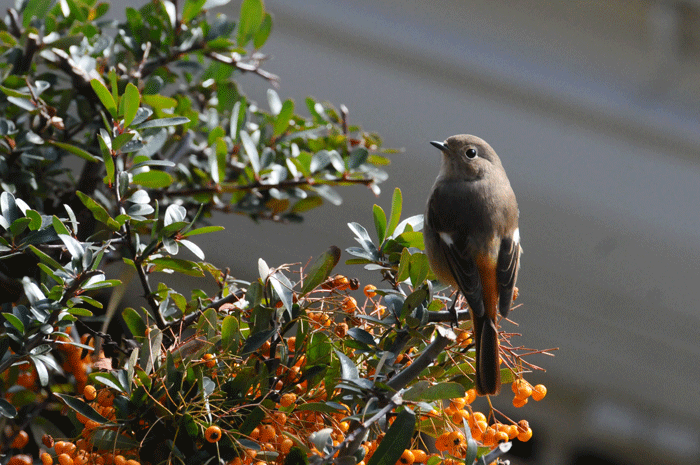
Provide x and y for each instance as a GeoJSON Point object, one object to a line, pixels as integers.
{"type": "Point", "coordinates": [538, 392]}
{"type": "Point", "coordinates": [489, 436]}
{"type": "Point", "coordinates": [344, 426]}
{"type": "Point", "coordinates": [341, 329]}
{"type": "Point", "coordinates": [59, 447]}
{"type": "Point", "coordinates": [119, 460]}
{"type": "Point", "coordinates": [21, 440]}
{"type": "Point", "coordinates": [407, 458]}
{"type": "Point", "coordinates": [458, 403]}
{"type": "Point", "coordinates": [46, 458]}
{"type": "Point", "coordinates": [501, 436]}
{"type": "Point", "coordinates": [209, 360]}
{"type": "Point", "coordinates": [212, 434]}
{"type": "Point", "coordinates": [479, 429]}
{"type": "Point", "coordinates": [525, 436]}
{"type": "Point", "coordinates": [105, 398]}
{"type": "Point", "coordinates": [286, 445]}
{"type": "Point", "coordinates": [512, 431]}
{"type": "Point", "coordinates": [419, 455]}
{"type": "Point", "coordinates": [292, 343]}
{"type": "Point", "coordinates": [442, 443]}
{"type": "Point", "coordinates": [471, 395]}
{"type": "Point", "coordinates": [341, 282]}
{"type": "Point", "coordinates": [133, 462]}
{"type": "Point", "coordinates": [65, 459]}
{"type": "Point", "coordinates": [47, 440]}
{"type": "Point", "coordinates": [519, 402]}
{"type": "Point", "coordinates": [455, 440]}
{"type": "Point", "coordinates": [369, 290]}
{"type": "Point", "coordinates": [90, 393]}
{"type": "Point", "coordinates": [523, 388]}
{"type": "Point", "coordinates": [255, 434]}
{"type": "Point", "coordinates": [349, 304]}
{"type": "Point", "coordinates": [280, 418]}
{"type": "Point", "coordinates": [20, 459]}
{"type": "Point", "coordinates": [288, 399]}
{"type": "Point", "coordinates": [267, 433]}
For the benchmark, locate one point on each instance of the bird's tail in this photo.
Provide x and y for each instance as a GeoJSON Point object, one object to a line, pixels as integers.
{"type": "Point", "coordinates": [488, 373]}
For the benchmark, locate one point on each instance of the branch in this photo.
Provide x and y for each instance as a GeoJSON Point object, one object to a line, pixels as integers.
{"type": "Point", "coordinates": [443, 339]}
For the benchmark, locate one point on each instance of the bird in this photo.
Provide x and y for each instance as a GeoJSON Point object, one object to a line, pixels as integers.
{"type": "Point", "coordinates": [472, 241]}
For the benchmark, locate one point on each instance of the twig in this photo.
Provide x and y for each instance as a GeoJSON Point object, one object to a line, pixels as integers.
{"type": "Point", "coordinates": [443, 339]}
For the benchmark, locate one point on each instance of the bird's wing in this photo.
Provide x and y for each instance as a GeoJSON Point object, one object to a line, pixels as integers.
{"type": "Point", "coordinates": [462, 265]}
{"type": "Point", "coordinates": [507, 272]}
{"type": "Point", "coordinates": [466, 273]}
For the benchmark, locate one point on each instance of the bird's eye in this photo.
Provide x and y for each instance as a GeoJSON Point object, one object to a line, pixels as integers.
{"type": "Point", "coordinates": [470, 153]}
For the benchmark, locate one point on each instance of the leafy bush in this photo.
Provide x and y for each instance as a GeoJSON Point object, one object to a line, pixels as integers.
{"type": "Point", "coordinates": [289, 367]}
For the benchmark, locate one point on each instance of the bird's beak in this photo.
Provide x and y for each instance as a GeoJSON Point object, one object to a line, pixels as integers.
{"type": "Point", "coordinates": [439, 145]}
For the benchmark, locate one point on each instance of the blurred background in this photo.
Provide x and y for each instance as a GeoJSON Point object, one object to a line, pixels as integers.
{"type": "Point", "coordinates": [593, 107]}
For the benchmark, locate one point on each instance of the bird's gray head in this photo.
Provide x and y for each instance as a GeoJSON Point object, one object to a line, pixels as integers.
{"type": "Point", "coordinates": [468, 156]}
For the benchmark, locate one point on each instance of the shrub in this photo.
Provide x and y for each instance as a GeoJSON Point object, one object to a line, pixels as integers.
{"type": "Point", "coordinates": [295, 366]}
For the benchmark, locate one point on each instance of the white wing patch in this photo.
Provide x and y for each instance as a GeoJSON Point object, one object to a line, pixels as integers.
{"type": "Point", "coordinates": [446, 238]}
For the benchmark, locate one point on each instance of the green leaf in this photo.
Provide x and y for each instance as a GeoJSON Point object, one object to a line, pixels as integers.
{"type": "Point", "coordinates": [163, 122]}
{"type": "Point", "coordinates": [395, 214]}
{"type": "Point", "coordinates": [185, 267]}
{"type": "Point", "coordinates": [122, 139]}
{"type": "Point", "coordinates": [105, 439]}
{"type": "Point", "coordinates": [319, 349]}
{"type": "Point", "coordinates": [98, 211]}
{"type": "Point", "coordinates": [307, 204]}
{"type": "Point", "coordinates": [75, 150]}
{"type": "Point", "coordinates": [113, 81]}
{"type": "Point", "coordinates": [249, 20]}
{"type": "Point", "coordinates": [411, 239]}
{"type": "Point", "coordinates": [203, 230]}
{"type": "Point", "coordinates": [7, 410]}
{"type": "Point", "coordinates": [82, 408]}
{"type": "Point", "coordinates": [129, 103]}
{"type": "Point", "coordinates": [282, 119]}
{"type": "Point", "coordinates": [419, 268]}
{"type": "Point", "coordinates": [14, 321]}
{"type": "Point", "coordinates": [283, 291]}
{"type": "Point", "coordinates": [19, 225]}
{"type": "Point", "coordinates": [254, 418]}
{"type": "Point", "coordinates": [263, 32]}
{"type": "Point", "coordinates": [46, 258]}
{"type": "Point", "coordinates": [229, 334]}
{"type": "Point", "coordinates": [404, 266]}
{"type": "Point", "coordinates": [134, 321]}
{"type": "Point", "coordinates": [109, 380]}
{"type": "Point", "coordinates": [75, 248]}
{"type": "Point", "coordinates": [153, 179]}
{"type": "Point", "coordinates": [251, 150]}
{"type": "Point", "coordinates": [348, 369]}
{"type": "Point", "coordinates": [379, 222]}
{"type": "Point", "coordinates": [35, 9]}
{"type": "Point", "coordinates": [191, 9]}
{"type": "Point", "coordinates": [35, 218]}
{"type": "Point", "coordinates": [149, 355]}
{"type": "Point", "coordinates": [397, 438]}
{"type": "Point", "coordinates": [159, 102]}
{"type": "Point", "coordinates": [105, 97]}
{"type": "Point", "coordinates": [443, 391]}
{"type": "Point", "coordinates": [321, 269]}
